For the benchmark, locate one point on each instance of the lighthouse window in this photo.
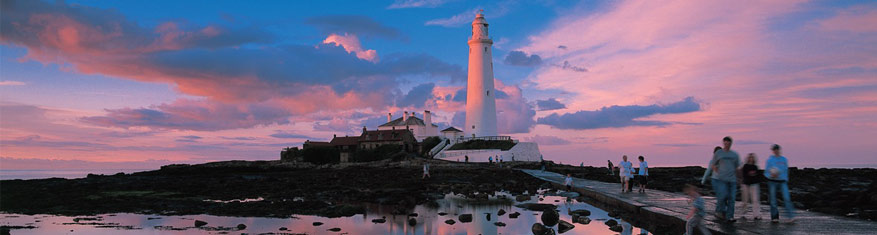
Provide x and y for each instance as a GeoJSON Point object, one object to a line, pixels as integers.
{"type": "Point", "coordinates": [485, 49]}
{"type": "Point", "coordinates": [488, 93]}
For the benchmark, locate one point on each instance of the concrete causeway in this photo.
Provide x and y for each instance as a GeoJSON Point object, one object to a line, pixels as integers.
{"type": "Point", "coordinates": [672, 208]}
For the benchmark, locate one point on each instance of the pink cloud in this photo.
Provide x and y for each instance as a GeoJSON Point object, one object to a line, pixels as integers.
{"type": "Point", "coordinates": [351, 45]}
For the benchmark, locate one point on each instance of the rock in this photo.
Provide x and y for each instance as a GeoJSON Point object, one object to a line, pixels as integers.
{"type": "Point", "coordinates": [613, 214]}
{"type": "Point", "coordinates": [380, 221]}
{"type": "Point", "coordinates": [514, 215]}
{"type": "Point", "coordinates": [413, 214]}
{"type": "Point", "coordinates": [334, 229]}
{"type": "Point", "coordinates": [536, 206]}
{"type": "Point", "coordinates": [465, 218]}
{"type": "Point", "coordinates": [317, 223]}
{"type": "Point", "coordinates": [580, 212]}
{"type": "Point", "coordinates": [412, 221]}
{"type": "Point", "coordinates": [611, 223]}
{"type": "Point", "coordinates": [242, 226]}
{"type": "Point", "coordinates": [283, 229]}
{"type": "Point", "coordinates": [487, 216]}
{"type": "Point", "coordinates": [500, 212]}
{"type": "Point", "coordinates": [564, 226]}
{"type": "Point", "coordinates": [499, 224]}
{"type": "Point", "coordinates": [442, 213]}
{"type": "Point", "coordinates": [450, 221]}
{"type": "Point", "coordinates": [522, 198]}
{"type": "Point", "coordinates": [550, 217]}
{"type": "Point", "coordinates": [539, 229]}
{"type": "Point", "coordinates": [199, 223]}
{"type": "Point", "coordinates": [581, 219]}
{"type": "Point", "coordinates": [617, 228]}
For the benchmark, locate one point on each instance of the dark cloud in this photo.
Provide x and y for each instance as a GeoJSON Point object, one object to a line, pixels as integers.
{"type": "Point", "coordinates": [417, 97]}
{"type": "Point", "coordinates": [561, 47]}
{"type": "Point", "coordinates": [547, 140]}
{"type": "Point", "coordinates": [618, 116]}
{"type": "Point", "coordinates": [353, 24]}
{"type": "Point", "coordinates": [288, 135]}
{"type": "Point", "coordinates": [549, 104]}
{"type": "Point", "coordinates": [520, 58]}
{"type": "Point", "coordinates": [825, 92]}
{"type": "Point", "coordinates": [238, 138]}
{"type": "Point", "coordinates": [567, 66]}
{"type": "Point", "coordinates": [192, 115]}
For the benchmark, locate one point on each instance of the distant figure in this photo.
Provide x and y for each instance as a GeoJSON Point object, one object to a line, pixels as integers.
{"type": "Point", "coordinates": [724, 164]}
{"type": "Point", "coordinates": [695, 217]}
{"type": "Point", "coordinates": [611, 167]}
{"type": "Point", "coordinates": [542, 163]}
{"type": "Point", "coordinates": [751, 183]}
{"type": "Point", "coordinates": [582, 165]}
{"type": "Point", "coordinates": [467, 158]}
{"type": "Point", "coordinates": [490, 159]}
{"type": "Point", "coordinates": [500, 161]}
{"type": "Point", "coordinates": [709, 169]}
{"type": "Point", "coordinates": [625, 169]}
{"type": "Point", "coordinates": [643, 174]}
{"type": "Point", "coordinates": [777, 172]}
{"type": "Point", "coordinates": [425, 171]}
{"type": "Point", "coordinates": [568, 182]}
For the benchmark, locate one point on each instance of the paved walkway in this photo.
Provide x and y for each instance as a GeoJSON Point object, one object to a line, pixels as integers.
{"type": "Point", "coordinates": [672, 208]}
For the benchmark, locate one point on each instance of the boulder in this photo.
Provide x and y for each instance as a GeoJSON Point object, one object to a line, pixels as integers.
{"type": "Point", "coordinates": [283, 229]}
{"type": "Point", "coordinates": [514, 215]}
{"type": "Point", "coordinates": [539, 229]}
{"type": "Point", "coordinates": [500, 212]}
{"type": "Point", "coordinates": [580, 212]}
{"type": "Point", "coordinates": [487, 216]}
{"type": "Point", "coordinates": [613, 214]}
{"type": "Point", "coordinates": [199, 223]}
{"type": "Point", "coordinates": [522, 198]}
{"type": "Point", "coordinates": [442, 213]}
{"type": "Point", "coordinates": [499, 224]}
{"type": "Point", "coordinates": [413, 214]}
{"type": "Point", "coordinates": [536, 206]}
{"type": "Point", "coordinates": [242, 226]}
{"type": "Point", "coordinates": [611, 223]}
{"type": "Point", "coordinates": [412, 221]}
{"type": "Point", "coordinates": [380, 221]}
{"type": "Point", "coordinates": [317, 223]}
{"type": "Point", "coordinates": [564, 226]}
{"type": "Point", "coordinates": [450, 221]}
{"type": "Point", "coordinates": [334, 229]}
{"type": "Point", "coordinates": [465, 218]}
{"type": "Point", "coordinates": [617, 228]}
{"type": "Point", "coordinates": [581, 219]}
{"type": "Point", "coordinates": [550, 217]}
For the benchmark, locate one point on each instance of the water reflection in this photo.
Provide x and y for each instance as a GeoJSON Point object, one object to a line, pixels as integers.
{"type": "Point", "coordinates": [428, 221]}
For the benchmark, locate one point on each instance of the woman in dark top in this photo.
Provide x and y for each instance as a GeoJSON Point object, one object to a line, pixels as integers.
{"type": "Point", "coordinates": [751, 183]}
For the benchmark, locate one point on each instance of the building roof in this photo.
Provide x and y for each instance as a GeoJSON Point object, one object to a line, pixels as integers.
{"type": "Point", "coordinates": [347, 140]}
{"type": "Point", "coordinates": [317, 143]}
{"type": "Point", "coordinates": [451, 129]}
{"type": "Point", "coordinates": [412, 121]}
{"type": "Point", "coordinates": [385, 135]}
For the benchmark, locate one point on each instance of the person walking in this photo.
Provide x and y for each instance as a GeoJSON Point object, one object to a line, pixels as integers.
{"type": "Point", "coordinates": [709, 169]}
{"type": "Point", "coordinates": [625, 169]}
{"type": "Point", "coordinates": [777, 173]}
{"type": "Point", "coordinates": [467, 158]}
{"type": "Point", "coordinates": [695, 216]}
{"type": "Point", "coordinates": [425, 170]}
{"type": "Point", "coordinates": [490, 160]}
{"type": "Point", "coordinates": [642, 174]}
{"type": "Point", "coordinates": [568, 182]}
{"type": "Point", "coordinates": [724, 179]}
{"type": "Point", "coordinates": [611, 168]}
{"type": "Point", "coordinates": [751, 182]}
{"type": "Point", "coordinates": [542, 163]}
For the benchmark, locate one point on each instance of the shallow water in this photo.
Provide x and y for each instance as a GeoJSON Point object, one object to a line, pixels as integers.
{"type": "Point", "coordinates": [428, 221]}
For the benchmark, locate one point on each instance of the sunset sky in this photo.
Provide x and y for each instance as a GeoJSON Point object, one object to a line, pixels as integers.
{"type": "Point", "coordinates": [138, 84]}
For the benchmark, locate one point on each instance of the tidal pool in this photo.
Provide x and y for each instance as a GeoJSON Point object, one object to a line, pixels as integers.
{"type": "Point", "coordinates": [428, 221]}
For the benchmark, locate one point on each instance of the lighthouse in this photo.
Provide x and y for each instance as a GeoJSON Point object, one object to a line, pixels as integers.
{"type": "Point", "coordinates": [480, 101]}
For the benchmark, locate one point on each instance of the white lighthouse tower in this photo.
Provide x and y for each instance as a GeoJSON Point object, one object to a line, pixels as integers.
{"type": "Point", "coordinates": [480, 101]}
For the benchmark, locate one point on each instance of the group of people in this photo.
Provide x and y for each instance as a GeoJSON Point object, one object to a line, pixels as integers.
{"type": "Point", "coordinates": [725, 172]}
{"type": "Point", "coordinates": [626, 173]}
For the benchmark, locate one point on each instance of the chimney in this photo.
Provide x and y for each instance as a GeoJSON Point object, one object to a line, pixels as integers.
{"type": "Point", "coordinates": [334, 135]}
{"type": "Point", "coordinates": [363, 129]}
{"type": "Point", "coordinates": [389, 117]}
{"type": "Point", "coordinates": [427, 118]}
{"type": "Point", "coordinates": [405, 117]}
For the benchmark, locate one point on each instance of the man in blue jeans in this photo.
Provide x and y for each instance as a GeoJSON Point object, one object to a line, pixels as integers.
{"type": "Point", "coordinates": [724, 179]}
{"type": "Point", "coordinates": [776, 170]}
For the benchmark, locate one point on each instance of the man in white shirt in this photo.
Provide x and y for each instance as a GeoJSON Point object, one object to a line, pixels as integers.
{"type": "Point", "coordinates": [643, 174]}
{"type": "Point", "coordinates": [625, 169]}
{"type": "Point", "coordinates": [568, 182]}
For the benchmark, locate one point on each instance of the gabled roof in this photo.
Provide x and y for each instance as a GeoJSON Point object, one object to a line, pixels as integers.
{"type": "Point", "coordinates": [412, 121]}
{"type": "Point", "coordinates": [347, 140]}
{"type": "Point", "coordinates": [451, 129]}
{"type": "Point", "coordinates": [385, 135]}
